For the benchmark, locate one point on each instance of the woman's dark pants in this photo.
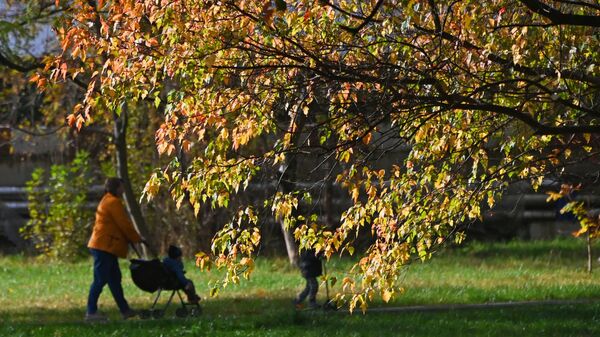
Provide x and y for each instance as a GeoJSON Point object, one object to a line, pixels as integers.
{"type": "Point", "coordinates": [106, 271]}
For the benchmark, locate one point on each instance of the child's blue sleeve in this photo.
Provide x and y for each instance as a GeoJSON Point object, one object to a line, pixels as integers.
{"type": "Point", "coordinates": [177, 268]}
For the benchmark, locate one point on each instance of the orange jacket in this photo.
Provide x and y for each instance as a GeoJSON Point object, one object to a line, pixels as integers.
{"type": "Point", "coordinates": [113, 230]}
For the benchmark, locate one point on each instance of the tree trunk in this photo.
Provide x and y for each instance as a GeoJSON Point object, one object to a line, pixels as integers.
{"type": "Point", "coordinates": [135, 212]}
{"type": "Point", "coordinates": [288, 184]}
{"type": "Point", "coordinates": [288, 181]}
{"type": "Point", "coordinates": [589, 253]}
{"type": "Point", "coordinates": [183, 168]}
{"type": "Point", "coordinates": [328, 198]}
{"type": "Point", "coordinates": [290, 245]}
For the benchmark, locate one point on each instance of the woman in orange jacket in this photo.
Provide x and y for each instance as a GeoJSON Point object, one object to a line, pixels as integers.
{"type": "Point", "coordinates": [112, 233]}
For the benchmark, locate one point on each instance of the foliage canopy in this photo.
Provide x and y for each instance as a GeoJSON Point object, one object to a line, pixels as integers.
{"type": "Point", "coordinates": [464, 96]}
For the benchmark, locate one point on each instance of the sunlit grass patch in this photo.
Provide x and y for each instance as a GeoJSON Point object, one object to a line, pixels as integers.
{"type": "Point", "coordinates": [48, 298]}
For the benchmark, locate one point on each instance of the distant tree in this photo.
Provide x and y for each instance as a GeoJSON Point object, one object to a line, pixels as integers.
{"type": "Point", "coordinates": [478, 94]}
{"type": "Point", "coordinates": [27, 40]}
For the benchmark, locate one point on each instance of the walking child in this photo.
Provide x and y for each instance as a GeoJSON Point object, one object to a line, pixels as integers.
{"type": "Point", "coordinates": [311, 268]}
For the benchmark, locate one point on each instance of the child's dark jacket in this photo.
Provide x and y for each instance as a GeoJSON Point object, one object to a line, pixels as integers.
{"type": "Point", "coordinates": [175, 266]}
{"type": "Point", "coordinates": [310, 264]}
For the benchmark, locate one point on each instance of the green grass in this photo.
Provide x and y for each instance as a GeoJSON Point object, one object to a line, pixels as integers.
{"type": "Point", "coordinates": [48, 299]}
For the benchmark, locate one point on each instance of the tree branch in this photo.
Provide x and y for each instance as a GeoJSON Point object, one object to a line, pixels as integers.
{"type": "Point", "coordinates": [341, 10]}
{"type": "Point", "coordinates": [560, 18]}
{"type": "Point", "coordinates": [22, 68]}
{"type": "Point", "coordinates": [578, 75]}
{"type": "Point", "coordinates": [436, 16]}
{"type": "Point", "coordinates": [38, 134]}
{"type": "Point", "coordinates": [540, 129]}
{"type": "Point", "coordinates": [355, 30]}
{"type": "Point", "coordinates": [581, 3]}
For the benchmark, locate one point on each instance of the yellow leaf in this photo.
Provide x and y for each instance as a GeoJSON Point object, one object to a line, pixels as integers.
{"type": "Point", "coordinates": [490, 200]}
{"type": "Point", "coordinates": [553, 196]}
{"type": "Point", "coordinates": [387, 295]}
{"type": "Point", "coordinates": [350, 250]}
{"type": "Point", "coordinates": [210, 60]}
{"type": "Point", "coordinates": [363, 306]}
{"type": "Point", "coordinates": [587, 137]}
{"type": "Point", "coordinates": [355, 194]}
{"type": "Point", "coordinates": [345, 156]}
{"type": "Point", "coordinates": [347, 283]}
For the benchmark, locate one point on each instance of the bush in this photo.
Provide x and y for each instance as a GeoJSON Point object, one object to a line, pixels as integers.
{"type": "Point", "coordinates": [60, 219]}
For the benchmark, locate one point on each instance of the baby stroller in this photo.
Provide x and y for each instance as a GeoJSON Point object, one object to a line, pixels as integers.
{"type": "Point", "coordinates": [152, 276]}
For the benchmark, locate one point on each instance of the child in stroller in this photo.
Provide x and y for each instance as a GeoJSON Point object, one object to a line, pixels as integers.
{"type": "Point", "coordinates": [174, 264]}
{"type": "Point", "coordinates": [153, 275]}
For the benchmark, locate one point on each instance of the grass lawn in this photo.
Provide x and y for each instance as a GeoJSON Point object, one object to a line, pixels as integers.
{"type": "Point", "coordinates": [48, 299]}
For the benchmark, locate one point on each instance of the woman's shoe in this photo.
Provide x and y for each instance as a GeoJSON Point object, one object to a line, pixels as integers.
{"type": "Point", "coordinates": [129, 313]}
{"type": "Point", "coordinates": [95, 317]}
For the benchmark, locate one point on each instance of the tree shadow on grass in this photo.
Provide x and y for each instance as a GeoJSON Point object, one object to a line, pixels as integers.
{"type": "Point", "coordinates": [276, 317]}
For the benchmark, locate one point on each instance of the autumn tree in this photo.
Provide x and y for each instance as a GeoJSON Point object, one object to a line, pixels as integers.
{"type": "Point", "coordinates": [422, 110]}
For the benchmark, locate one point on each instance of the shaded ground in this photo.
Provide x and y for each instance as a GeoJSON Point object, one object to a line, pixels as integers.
{"type": "Point", "coordinates": [523, 320]}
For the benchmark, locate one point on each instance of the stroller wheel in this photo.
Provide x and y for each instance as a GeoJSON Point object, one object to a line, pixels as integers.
{"type": "Point", "coordinates": [157, 313]}
{"type": "Point", "coordinates": [195, 312]}
{"type": "Point", "coordinates": [145, 314]}
{"type": "Point", "coordinates": [181, 312]}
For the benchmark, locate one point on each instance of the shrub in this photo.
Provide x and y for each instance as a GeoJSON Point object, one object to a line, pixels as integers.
{"type": "Point", "coordinates": [60, 219]}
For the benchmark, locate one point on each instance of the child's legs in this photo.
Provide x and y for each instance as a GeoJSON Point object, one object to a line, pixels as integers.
{"type": "Point", "coordinates": [313, 288]}
{"type": "Point", "coordinates": [311, 282]}
{"type": "Point", "coordinates": [190, 291]}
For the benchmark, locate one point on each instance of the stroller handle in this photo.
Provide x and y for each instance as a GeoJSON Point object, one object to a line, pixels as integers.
{"type": "Point", "coordinates": [148, 247]}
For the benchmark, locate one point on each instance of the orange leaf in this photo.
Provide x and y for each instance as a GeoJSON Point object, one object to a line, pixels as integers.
{"type": "Point", "coordinates": [306, 15]}
{"type": "Point", "coordinates": [268, 12]}
{"type": "Point", "coordinates": [367, 138]}
{"type": "Point", "coordinates": [41, 83]}
{"type": "Point", "coordinates": [79, 124]}
{"type": "Point", "coordinates": [34, 78]}
{"type": "Point", "coordinates": [186, 145]}
{"type": "Point", "coordinates": [71, 120]}
{"type": "Point", "coordinates": [63, 70]}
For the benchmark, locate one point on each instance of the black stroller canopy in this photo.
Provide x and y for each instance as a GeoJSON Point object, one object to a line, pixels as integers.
{"type": "Point", "coordinates": [150, 275]}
